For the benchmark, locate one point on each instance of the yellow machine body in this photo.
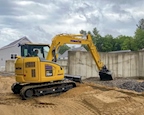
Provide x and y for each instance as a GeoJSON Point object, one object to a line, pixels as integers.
{"type": "Point", "coordinates": [36, 70]}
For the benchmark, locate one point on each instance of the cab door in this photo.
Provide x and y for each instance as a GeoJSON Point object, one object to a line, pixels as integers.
{"type": "Point", "coordinates": [31, 68]}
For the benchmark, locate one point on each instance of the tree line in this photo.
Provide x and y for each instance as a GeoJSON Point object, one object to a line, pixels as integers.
{"type": "Point", "coordinates": [109, 43]}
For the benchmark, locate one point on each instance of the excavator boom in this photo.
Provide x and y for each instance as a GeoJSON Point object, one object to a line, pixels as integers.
{"type": "Point", "coordinates": [62, 39]}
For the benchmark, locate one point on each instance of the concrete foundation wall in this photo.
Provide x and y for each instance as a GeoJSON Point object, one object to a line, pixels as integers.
{"type": "Point", "coordinates": [130, 64]}
{"type": "Point", "coordinates": [122, 64]}
{"type": "Point", "coordinates": [81, 63]}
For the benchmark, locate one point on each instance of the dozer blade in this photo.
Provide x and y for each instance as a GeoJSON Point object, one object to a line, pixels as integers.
{"type": "Point", "coordinates": [105, 76]}
{"type": "Point", "coordinates": [74, 78]}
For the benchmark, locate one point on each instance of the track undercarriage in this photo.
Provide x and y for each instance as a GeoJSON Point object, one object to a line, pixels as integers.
{"type": "Point", "coordinates": [27, 91]}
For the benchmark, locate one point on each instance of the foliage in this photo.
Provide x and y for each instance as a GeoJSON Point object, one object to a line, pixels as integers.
{"type": "Point", "coordinates": [139, 38]}
{"type": "Point", "coordinates": [122, 42]}
{"type": "Point", "coordinates": [63, 48]}
{"type": "Point", "coordinates": [141, 24]}
{"type": "Point", "coordinates": [84, 33]}
{"type": "Point", "coordinates": [108, 43]}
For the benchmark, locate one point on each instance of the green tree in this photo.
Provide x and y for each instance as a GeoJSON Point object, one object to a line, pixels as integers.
{"type": "Point", "coordinates": [139, 35]}
{"type": "Point", "coordinates": [141, 24]}
{"type": "Point", "coordinates": [123, 42]}
{"type": "Point", "coordinates": [84, 33]}
{"type": "Point", "coordinates": [116, 45]}
{"type": "Point", "coordinates": [63, 48]}
{"type": "Point", "coordinates": [128, 44]}
{"type": "Point", "coordinates": [97, 39]}
{"type": "Point", "coordinates": [107, 43]}
{"type": "Point", "coordinates": [139, 38]}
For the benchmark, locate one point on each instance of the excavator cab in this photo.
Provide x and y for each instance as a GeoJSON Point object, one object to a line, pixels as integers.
{"type": "Point", "coordinates": [32, 50]}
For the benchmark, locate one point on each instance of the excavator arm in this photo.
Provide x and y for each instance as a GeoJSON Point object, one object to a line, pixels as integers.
{"type": "Point", "coordinates": [62, 39]}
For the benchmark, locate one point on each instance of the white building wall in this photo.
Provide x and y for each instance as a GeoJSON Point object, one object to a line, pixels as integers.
{"type": "Point", "coordinates": [5, 54]}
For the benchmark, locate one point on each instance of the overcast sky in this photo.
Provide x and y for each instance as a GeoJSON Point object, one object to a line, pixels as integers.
{"type": "Point", "coordinates": [40, 20]}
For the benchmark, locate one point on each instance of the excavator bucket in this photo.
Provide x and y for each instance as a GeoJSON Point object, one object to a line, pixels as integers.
{"type": "Point", "coordinates": [74, 78]}
{"type": "Point", "coordinates": [105, 74]}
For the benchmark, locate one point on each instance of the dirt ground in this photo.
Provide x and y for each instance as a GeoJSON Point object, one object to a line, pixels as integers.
{"type": "Point", "coordinates": [86, 99]}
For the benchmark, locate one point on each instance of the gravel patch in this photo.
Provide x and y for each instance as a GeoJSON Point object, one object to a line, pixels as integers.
{"type": "Point", "coordinates": [136, 86]}
{"type": "Point", "coordinates": [123, 83]}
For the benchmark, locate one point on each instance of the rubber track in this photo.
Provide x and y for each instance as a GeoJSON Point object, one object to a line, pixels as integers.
{"type": "Point", "coordinates": [38, 86]}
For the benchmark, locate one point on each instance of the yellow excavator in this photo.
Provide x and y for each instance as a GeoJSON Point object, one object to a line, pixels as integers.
{"type": "Point", "coordinates": [38, 75]}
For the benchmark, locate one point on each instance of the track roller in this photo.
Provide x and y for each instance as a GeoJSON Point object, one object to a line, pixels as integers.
{"type": "Point", "coordinates": [26, 93]}
{"type": "Point", "coordinates": [36, 90]}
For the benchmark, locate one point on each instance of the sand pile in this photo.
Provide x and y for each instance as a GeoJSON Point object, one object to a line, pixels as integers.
{"type": "Point", "coordinates": [5, 83]}
{"type": "Point", "coordinates": [77, 91]}
{"type": "Point", "coordinates": [86, 99]}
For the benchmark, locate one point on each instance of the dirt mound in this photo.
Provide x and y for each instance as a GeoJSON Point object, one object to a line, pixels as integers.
{"type": "Point", "coordinates": [5, 84]}
{"type": "Point", "coordinates": [86, 99]}
{"type": "Point", "coordinates": [77, 91]}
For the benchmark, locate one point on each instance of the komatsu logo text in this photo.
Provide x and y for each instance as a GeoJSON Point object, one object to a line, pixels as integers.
{"type": "Point", "coordinates": [76, 41]}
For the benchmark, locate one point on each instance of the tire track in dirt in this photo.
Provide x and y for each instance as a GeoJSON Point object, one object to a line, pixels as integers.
{"type": "Point", "coordinates": [76, 107]}
{"type": "Point", "coordinates": [15, 100]}
{"type": "Point", "coordinates": [43, 104]}
{"type": "Point", "coordinates": [8, 99]}
{"type": "Point", "coordinates": [67, 106]}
